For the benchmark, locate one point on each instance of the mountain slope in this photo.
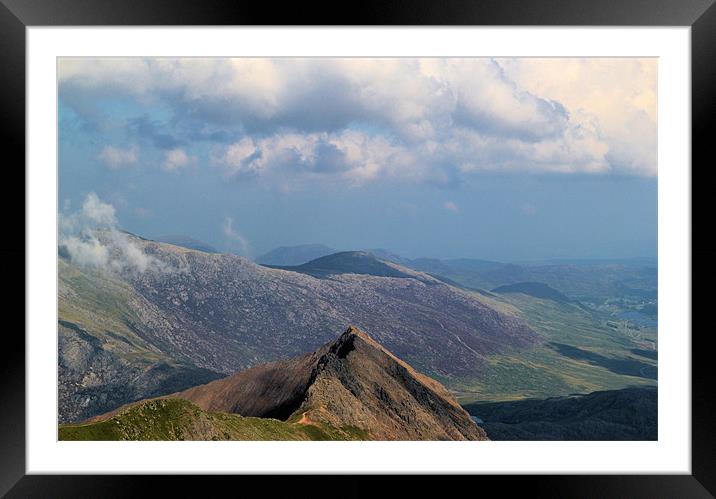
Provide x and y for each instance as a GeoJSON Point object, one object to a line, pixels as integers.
{"type": "Point", "coordinates": [536, 289]}
{"type": "Point", "coordinates": [177, 419]}
{"type": "Point", "coordinates": [187, 242]}
{"type": "Point", "coordinates": [95, 380]}
{"type": "Point", "coordinates": [628, 414]}
{"type": "Point", "coordinates": [106, 354]}
{"type": "Point", "coordinates": [349, 386]}
{"type": "Point", "coordinates": [583, 281]}
{"type": "Point", "coordinates": [361, 384]}
{"type": "Point", "coordinates": [223, 313]}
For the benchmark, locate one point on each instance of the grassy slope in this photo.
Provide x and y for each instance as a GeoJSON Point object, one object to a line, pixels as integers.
{"type": "Point", "coordinates": [543, 371]}
{"type": "Point", "coordinates": [176, 419]}
{"type": "Point", "coordinates": [84, 291]}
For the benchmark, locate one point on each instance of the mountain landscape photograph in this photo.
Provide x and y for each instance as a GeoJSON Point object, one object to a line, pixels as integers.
{"type": "Point", "coordinates": [343, 249]}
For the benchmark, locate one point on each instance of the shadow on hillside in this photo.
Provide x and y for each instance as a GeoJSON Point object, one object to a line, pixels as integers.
{"type": "Point", "coordinates": [629, 367]}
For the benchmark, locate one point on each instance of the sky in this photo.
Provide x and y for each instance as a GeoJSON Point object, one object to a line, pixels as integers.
{"type": "Point", "coordinates": [502, 159]}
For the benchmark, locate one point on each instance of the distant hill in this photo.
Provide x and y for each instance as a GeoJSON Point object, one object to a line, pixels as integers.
{"type": "Point", "coordinates": [351, 387]}
{"type": "Point", "coordinates": [187, 242]}
{"type": "Point", "coordinates": [628, 414]}
{"type": "Point", "coordinates": [294, 255]}
{"type": "Point", "coordinates": [583, 280]}
{"type": "Point", "coordinates": [580, 279]}
{"type": "Point", "coordinates": [348, 262]}
{"type": "Point", "coordinates": [536, 289]}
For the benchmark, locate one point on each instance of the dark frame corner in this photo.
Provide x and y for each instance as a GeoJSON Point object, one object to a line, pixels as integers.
{"type": "Point", "coordinates": [16, 15]}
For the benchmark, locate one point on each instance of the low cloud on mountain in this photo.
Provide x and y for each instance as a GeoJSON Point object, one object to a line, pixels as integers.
{"type": "Point", "coordinates": [90, 237]}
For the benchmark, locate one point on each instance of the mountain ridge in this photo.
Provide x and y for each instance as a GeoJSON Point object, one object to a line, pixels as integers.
{"type": "Point", "coordinates": [350, 262]}
{"type": "Point", "coordinates": [294, 255]}
{"type": "Point", "coordinates": [350, 382]}
{"type": "Point", "coordinates": [186, 242]}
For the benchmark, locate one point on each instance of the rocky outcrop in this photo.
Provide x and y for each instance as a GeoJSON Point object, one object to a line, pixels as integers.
{"type": "Point", "coordinates": [94, 380]}
{"type": "Point", "coordinates": [352, 382]}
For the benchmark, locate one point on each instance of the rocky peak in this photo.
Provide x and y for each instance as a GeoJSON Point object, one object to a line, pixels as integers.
{"type": "Point", "coordinates": [351, 382]}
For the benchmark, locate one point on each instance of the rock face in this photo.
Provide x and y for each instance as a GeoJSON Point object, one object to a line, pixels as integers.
{"type": "Point", "coordinates": [216, 313]}
{"type": "Point", "coordinates": [352, 382]}
{"type": "Point", "coordinates": [95, 380]}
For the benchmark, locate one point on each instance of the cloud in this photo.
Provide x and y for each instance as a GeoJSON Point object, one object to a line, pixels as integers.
{"type": "Point", "coordinates": [175, 159]}
{"type": "Point", "coordinates": [451, 206]}
{"type": "Point", "coordinates": [94, 214]}
{"type": "Point", "coordinates": [90, 237]}
{"type": "Point", "coordinates": [241, 158]}
{"type": "Point", "coordinates": [115, 157]}
{"type": "Point", "coordinates": [619, 96]}
{"type": "Point", "coordinates": [86, 251]}
{"type": "Point", "coordinates": [436, 119]}
{"type": "Point", "coordinates": [351, 155]}
{"type": "Point", "coordinates": [238, 243]}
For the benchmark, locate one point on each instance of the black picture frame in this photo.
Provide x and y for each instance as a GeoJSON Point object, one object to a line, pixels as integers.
{"type": "Point", "coordinates": [16, 15]}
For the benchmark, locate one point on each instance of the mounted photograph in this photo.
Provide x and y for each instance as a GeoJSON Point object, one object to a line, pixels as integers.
{"type": "Point", "coordinates": [391, 249]}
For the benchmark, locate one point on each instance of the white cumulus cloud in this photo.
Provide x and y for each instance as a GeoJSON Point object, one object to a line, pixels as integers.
{"type": "Point", "coordinates": [90, 237]}
{"type": "Point", "coordinates": [410, 119]}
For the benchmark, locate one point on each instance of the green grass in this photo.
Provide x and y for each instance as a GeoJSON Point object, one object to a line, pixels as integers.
{"type": "Point", "coordinates": [100, 303]}
{"type": "Point", "coordinates": [544, 372]}
{"type": "Point", "coordinates": [177, 419]}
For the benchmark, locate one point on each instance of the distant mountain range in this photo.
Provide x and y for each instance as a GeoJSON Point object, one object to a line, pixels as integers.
{"type": "Point", "coordinates": [628, 414]}
{"type": "Point", "coordinates": [579, 279]}
{"type": "Point", "coordinates": [351, 388]}
{"type": "Point", "coordinates": [181, 316]}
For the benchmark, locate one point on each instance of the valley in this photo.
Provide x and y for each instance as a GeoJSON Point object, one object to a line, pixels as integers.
{"type": "Point", "coordinates": [127, 337]}
{"type": "Point", "coordinates": [357, 248]}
